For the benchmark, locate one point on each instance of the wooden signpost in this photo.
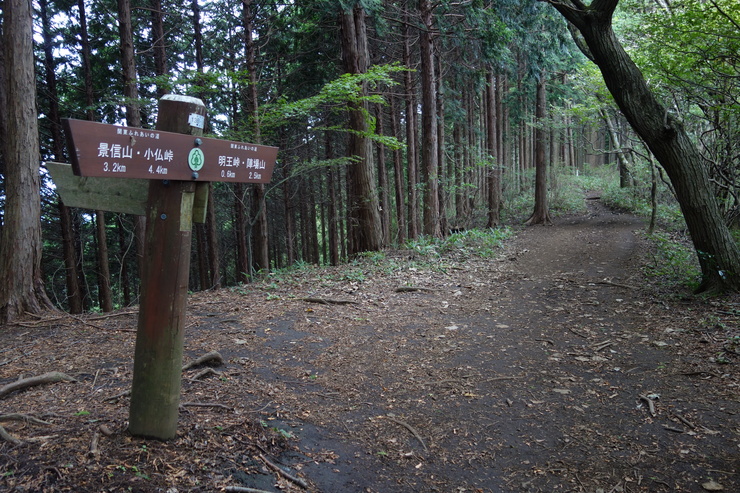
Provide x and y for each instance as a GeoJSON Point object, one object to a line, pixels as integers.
{"type": "Point", "coordinates": [172, 164]}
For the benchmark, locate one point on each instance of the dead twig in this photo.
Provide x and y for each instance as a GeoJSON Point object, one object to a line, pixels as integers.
{"type": "Point", "coordinates": [328, 301]}
{"type": "Point", "coordinates": [300, 482]}
{"type": "Point", "coordinates": [411, 289]}
{"type": "Point", "coordinates": [602, 345]}
{"type": "Point", "coordinates": [113, 315]}
{"type": "Point", "coordinates": [213, 356]}
{"type": "Point", "coordinates": [94, 450]}
{"type": "Point", "coordinates": [8, 361]}
{"type": "Point", "coordinates": [242, 489]}
{"type": "Point", "coordinates": [650, 403]}
{"type": "Point", "coordinates": [616, 284]}
{"type": "Point", "coordinates": [118, 396]}
{"type": "Point", "coordinates": [206, 404]}
{"type": "Point", "coordinates": [497, 379]}
{"type": "Point", "coordinates": [673, 429]}
{"type": "Point", "coordinates": [684, 421]}
{"type": "Point", "coordinates": [410, 428]}
{"type": "Point", "coordinates": [577, 333]}
{"type": "Point", "coordinates": [51, 377]}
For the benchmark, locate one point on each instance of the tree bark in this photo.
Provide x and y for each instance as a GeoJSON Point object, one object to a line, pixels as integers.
{"type": "Point", "coordinates": [242, 265]}
{"type": "Point", "coordinates": [719, 256]}
{"type": "Point", "coordinates": [74, 294]}
{"type": "Point", "coordinates": [429, 156]}
{"type": "Point", "coordinates": [131, 96]}
{"type": "Point", "coordinates": [385, 204]}
{"type": "Point", "coordinates": [160, 51]}
{"type": "Point", "coordinates": [22, 288]}
{"type": "Point", "coordinates": [105, 297]}
{"type": "Point", "coordinates": [494, 170]}
{"type": "Point", "coordinates": [214, 252]}
{"type": "Point", "coordinates": [365, 225]}
{"type": "Point", "coordinates": [86, 64]}
{"type": "Point", "coordinates": [541, 214]}
{"type": "Point", "coordinates": [398, 177]}
{"type": "Point", "coordinates": [260, 245]}
{"type": "Point", "coordinates": [412, 158]}
{"type": "Point", "coordinates": [332, 215]}
{"type": "Point", "coordinates": [623, 163]}
{"type": "Point", "coordinates": [3, 110]}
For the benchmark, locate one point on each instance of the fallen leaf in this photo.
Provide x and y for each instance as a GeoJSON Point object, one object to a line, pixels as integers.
{"type": "Point", "coordinates": [712, 486]}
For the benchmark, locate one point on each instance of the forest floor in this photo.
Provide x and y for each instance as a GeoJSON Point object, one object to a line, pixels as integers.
{"type": "Point", "coordinates": [557, 365]}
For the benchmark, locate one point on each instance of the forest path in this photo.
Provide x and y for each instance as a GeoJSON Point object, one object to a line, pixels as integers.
{"type": "Point", "coordinates": [552, 366]}
{"type": "Point", "coordinates": [532, 373]}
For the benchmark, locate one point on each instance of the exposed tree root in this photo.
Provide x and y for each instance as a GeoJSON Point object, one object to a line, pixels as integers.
{"type": "Point", "coordinates": [17, 417]}
{"type": "Point", "coordinates": [51, 377]}
{"type": "Point", "coordinates": [8, 437]}
{"type": "Point", "coordinates": [211, 357]}
{"type": "Point", "coordinates": [23, 417]}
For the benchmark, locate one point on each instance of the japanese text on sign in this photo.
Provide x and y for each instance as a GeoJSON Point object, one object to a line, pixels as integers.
{"type": "Point", "coordinates": [108, 150]}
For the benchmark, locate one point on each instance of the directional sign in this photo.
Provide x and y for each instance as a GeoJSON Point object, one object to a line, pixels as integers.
{"type": "Point", "coordinates": [113, 151]}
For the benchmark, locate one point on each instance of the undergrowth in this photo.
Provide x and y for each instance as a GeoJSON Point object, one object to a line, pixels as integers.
{"type": "Point", "coordinates": [485, 243]}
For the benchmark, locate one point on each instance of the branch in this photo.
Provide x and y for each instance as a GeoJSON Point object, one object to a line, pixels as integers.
{"type": "Point", "coordinates": [328, 301]}
{"type": "Point", "coordinates": [410, 428]}
{"type": "Point", "coordinates": [300, 482]}
{"type": "Point", "coordinates": [725, 15]}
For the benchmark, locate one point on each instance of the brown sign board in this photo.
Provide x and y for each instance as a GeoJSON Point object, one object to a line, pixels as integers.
{"type": "Point", "coordinates": [104, 150]}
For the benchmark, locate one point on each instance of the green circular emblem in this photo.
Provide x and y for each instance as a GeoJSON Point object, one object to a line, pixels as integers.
{"type": "Point", "coordinates": [196, 159]}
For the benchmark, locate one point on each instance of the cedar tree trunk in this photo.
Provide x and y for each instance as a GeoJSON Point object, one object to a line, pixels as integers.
{"type": "Point", "coordinates": [22, 288]}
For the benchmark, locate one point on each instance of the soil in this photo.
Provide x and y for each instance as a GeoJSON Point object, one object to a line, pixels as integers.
{"type": "Point", "coordinates": [555, 365]}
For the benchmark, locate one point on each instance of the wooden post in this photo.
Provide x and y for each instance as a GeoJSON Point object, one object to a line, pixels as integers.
{"type": "Point", "coordinates": [155, 392]}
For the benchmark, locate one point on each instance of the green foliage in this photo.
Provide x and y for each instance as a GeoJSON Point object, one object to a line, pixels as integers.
{"type": "Point", "coordinates": [485, 243]}
{"type": "Point", "coordinates": [674, 261]}
{"type": "Point", "coordinates": [349, 92]}
{"type": "Point", "coordinates": [692, 60]}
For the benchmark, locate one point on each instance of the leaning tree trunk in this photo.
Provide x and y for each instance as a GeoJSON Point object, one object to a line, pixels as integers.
{"type": "Point", "coordinates": [22, 287]}
{"type": "Point", "coordinates": [719, 256]}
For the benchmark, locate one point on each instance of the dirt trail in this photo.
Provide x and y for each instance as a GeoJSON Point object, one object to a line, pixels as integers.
{"type": "Point", "coordinates": [553, 367]}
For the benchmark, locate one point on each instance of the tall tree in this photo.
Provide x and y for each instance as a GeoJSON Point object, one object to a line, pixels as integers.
{"type": "Point", "coordinates": [541, 213]}
{"type": "Point", "coordinates": [260, 245]}
{"type": "Point", "coordinates": [22, 289]}
{"type": "Point", "coordinates": [74, 293]}
{"type": "Point", "coordinates": [365, 225]}
{"type": "Point", "coordinates": [430, 143]}
{"type": "Point", "coordinates": [412, 158]}
{"type": "Point", "coordinates": [158, 45]}
{"type": "Point", "coordinates": [664, 134]}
